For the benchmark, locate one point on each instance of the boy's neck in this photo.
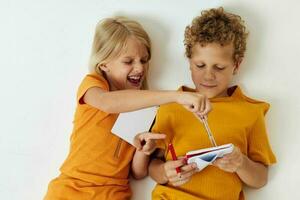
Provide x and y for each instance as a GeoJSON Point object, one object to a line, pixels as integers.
{"type": "Point", "coordinates": [226, 93]}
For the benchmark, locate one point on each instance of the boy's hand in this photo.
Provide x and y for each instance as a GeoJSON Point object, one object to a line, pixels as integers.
{"type": "Point", "coordinates": [230, 162]}
{"type": "Point", "coordinates": [185, 174]}
{"type": "Point", "coordinates": [145, 142]}
{"type": "Point", "coordinates": [195, 102]}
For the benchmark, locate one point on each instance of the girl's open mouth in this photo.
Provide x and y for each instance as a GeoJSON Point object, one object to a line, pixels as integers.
{"type": "Point", "coordinates": [135, 80]}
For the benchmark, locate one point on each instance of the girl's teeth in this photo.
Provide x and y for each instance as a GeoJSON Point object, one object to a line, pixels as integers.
{"type": "Point", "coordinates": [135, 78]}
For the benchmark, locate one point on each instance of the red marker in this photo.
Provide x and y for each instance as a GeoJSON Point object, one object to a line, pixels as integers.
{"type": "Point", "coordinates": [174, 157]}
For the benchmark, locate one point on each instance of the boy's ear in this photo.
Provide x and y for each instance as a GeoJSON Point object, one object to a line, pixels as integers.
{"type": "Point", "coordinates": [237, 66]}
{"type": "Point", "coordinates": [190, 64]}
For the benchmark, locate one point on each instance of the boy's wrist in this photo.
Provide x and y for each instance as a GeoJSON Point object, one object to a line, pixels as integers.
{"type": "Point", "coordinates": [164, 175]}
{"type": "Point", "coordinates": [243, 164]}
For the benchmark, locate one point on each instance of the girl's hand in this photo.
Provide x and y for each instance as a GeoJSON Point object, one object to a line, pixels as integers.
{"type": "Point", "coordinates": [145, 142]}
{"type": "Point", "coordinates": [230, 162]}
{"type": "Point", "coordinates": [185, 174]}
{"type": "Point", "coordinates": [195, 102]}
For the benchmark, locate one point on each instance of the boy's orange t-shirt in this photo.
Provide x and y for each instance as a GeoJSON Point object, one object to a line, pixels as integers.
{"type": "Point", "coordinates": [236, 119]}
{"type": "Point", "coordinates": [98, 163]}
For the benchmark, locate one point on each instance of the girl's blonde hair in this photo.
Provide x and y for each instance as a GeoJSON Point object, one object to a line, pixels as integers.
{"type": "Point", "coordinates": [110, 39]}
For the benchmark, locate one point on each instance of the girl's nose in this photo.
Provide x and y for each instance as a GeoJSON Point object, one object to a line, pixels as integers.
{"type": "Point", "coordinates": [139, 67]}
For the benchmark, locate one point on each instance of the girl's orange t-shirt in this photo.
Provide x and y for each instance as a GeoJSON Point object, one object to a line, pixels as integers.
{"type": "Point", "coordinates": [98, 163]}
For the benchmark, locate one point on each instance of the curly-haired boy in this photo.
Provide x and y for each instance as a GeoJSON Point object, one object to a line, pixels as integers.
{"type": "Point", "coordinates": [215, 44]}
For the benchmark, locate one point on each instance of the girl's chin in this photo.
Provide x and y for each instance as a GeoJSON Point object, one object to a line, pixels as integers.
{"type": "Point", "coordinates": [134, 86]}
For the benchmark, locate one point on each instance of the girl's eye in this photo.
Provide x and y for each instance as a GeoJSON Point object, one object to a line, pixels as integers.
{"type": "Point", "coordinates": [201, 66]}
{"type": "Point", "coordinates": [144, 61]}
{"type": "Point", "coordinates": [128, 62]}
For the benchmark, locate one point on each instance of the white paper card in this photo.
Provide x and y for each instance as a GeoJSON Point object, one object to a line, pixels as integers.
{"type": "Point", "coordinates": [131, 123]}
{"type": "Point", "coordinates": [204, 157]}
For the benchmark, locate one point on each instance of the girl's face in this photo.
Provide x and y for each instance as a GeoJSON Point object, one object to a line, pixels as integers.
{"type": "Point", "coordinates": [128, 71]}
{"type": "Point", "coordinates": [212, 68]}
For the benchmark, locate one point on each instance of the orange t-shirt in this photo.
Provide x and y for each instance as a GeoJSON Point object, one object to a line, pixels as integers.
{"type": "Point", "coordinates": [236, 119]}
{"type": "Point", "coordinates": [98, 163]}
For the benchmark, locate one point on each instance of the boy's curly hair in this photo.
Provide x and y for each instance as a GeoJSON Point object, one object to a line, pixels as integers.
{"type": "Point", "coordinates": [216, 25]}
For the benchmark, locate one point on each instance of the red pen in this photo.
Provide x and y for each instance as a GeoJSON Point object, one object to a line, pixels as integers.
{"type": "Point", "coordinates": [174, 157]}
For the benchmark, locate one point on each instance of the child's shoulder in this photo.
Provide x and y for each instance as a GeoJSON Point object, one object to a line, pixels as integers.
{"type": "Point", "coordinates": [255, 104]}
{"type": "Point", "coordinates": [94, 79]}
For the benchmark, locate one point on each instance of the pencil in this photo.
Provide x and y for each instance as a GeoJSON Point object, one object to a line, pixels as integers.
{"type": "Point", "coordinates": [174, 157]}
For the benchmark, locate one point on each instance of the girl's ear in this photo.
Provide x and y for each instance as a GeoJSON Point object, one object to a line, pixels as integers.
{"type": "Point", "coordinates": [103, 67]}
{"type": "Point", "coordinates": [237, 66]}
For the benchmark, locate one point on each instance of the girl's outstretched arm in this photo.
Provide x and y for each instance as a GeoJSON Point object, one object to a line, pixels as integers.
{"type": "Point", "coordinates": [130, 100]}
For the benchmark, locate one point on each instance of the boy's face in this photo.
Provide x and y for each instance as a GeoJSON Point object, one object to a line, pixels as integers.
{"type": "Point", "coordinates": [212, 68]}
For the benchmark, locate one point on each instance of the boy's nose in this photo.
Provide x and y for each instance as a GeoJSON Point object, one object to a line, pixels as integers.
{"type": "Point", "coordinates": [209, 75]}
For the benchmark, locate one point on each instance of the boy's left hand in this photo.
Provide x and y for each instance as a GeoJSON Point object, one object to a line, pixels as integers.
{"type": "Point", "coordinates": [230, 162]}
{"type": "Point", "coordinates": [146, 142]}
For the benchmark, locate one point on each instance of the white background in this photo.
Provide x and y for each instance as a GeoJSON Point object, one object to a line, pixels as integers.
{"type": "Point", "coordinates": [44, 50]}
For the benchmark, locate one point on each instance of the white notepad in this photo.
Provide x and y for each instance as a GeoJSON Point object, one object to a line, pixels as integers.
{"type": "Point", "coordinates": [131, 123]}
{"type": "Point", "coordinates": [204, 157]}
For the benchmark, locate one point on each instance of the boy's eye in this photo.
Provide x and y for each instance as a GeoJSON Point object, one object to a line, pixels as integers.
{"type": "Point", "coordinates": [219, 67]}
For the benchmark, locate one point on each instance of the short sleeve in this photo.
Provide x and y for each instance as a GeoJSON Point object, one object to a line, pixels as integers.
{"type": "Point", "coordinates": [91, 80]}
{"type": "Point", "coordinates": [162, 125]}
{"type": "Point", "coordinates": [259, 148]}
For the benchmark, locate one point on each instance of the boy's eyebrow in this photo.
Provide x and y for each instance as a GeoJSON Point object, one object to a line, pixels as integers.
{"type": "Point", "coordinates": [215, 62]}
